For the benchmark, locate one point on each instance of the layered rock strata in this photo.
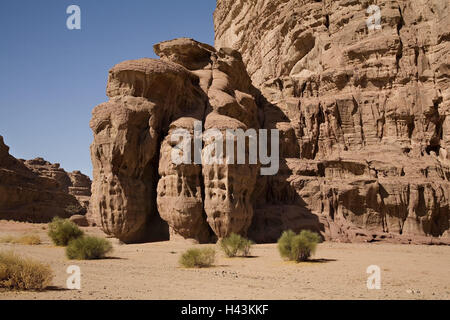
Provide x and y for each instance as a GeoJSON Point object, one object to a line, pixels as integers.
{"type": "Point", "coordinates": [361, 109]}
{"type": "Point", "coordinates": [365, 112]}
{"type": "Point", "coordinates": [135, 180]}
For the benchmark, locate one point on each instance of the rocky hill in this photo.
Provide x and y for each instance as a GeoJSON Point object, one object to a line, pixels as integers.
{"type": "Point", "coordinates": [36, 190]}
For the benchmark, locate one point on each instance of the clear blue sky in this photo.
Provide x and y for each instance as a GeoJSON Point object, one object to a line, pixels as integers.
{"type": "Point", "coordinates": [51, 77]}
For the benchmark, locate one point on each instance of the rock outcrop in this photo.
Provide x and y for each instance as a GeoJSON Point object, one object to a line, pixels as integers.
{"type": "Point", "coordinates": [365, 113]}
{"type": "Point", "coordinates": [36, 190]}
{"type": "Point", "coordinates": [362, 117]}
{"type": "Point", "coordinates": [136, 182]}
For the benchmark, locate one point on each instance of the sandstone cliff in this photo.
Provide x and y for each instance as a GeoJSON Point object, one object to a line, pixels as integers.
{"type": "Point", "coordinates": [366, 112]}
{"type": "Point", "coordinates": [362, 115]}
{"type": "Point", "coordinates": [36, 190]}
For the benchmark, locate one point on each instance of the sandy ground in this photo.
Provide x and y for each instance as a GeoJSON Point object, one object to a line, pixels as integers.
{"type": "Point", "coordinates": [151, 271]}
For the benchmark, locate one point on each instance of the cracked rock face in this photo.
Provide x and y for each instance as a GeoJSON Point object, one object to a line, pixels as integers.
{"type": "Point", "coordinates": [364, 114]}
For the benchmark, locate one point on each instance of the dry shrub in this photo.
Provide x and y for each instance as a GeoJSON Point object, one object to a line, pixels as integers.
{"type": "Point", "coordinates": [17, 273]}
{"type": "Point", "coordinates": [30, 239]}
{"type": "Point", "coordinates": [7, 239]}
{"type": "Point", "coordinates": [235, 244]}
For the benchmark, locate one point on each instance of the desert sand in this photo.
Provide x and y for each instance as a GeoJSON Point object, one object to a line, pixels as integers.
{"type": "Point", "coordinates": [151, 271]}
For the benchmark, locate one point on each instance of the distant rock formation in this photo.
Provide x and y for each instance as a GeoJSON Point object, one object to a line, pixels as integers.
{"type": "Point", "coordinates": [36, 190]}
{"type": "Point", "coordinates": [362, 116]}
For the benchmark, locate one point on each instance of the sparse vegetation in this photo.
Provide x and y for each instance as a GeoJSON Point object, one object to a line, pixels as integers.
{"type": "Point", "coordinates": [299, 247]}
{"type": "Point", "coordinates": [17, 273]}
{"type": "Point", "coordinates": [7, 239]}
{"type": "Point", "coordinates": [236, 244]}
{"type": "Point", "coordinates": [198, 258]}
{"type": "Point", "coordinates": [88, 248]}
{"type": "Point", "coordinates": [30, 239]}
{"type": "Point", "coordinates": [62, 231]}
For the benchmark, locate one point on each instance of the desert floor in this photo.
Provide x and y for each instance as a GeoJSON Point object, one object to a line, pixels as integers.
{"type": "Point", "coordinates": [151, 271]}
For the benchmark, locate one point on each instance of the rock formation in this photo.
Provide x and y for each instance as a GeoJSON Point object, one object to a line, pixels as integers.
{"type": "Point", "coordinates": [135, 180]}
{"type": "Point", "coordinates": [366, 112]}
{"type": "Point", "coordinates": [362, 116]}
{"type": "Point", "coordinates": [36, 190]}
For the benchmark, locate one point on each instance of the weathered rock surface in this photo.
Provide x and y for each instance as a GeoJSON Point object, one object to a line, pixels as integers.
{"type": "Point", "coordinates": [179, 197]}
{"type": "Point", "coordinates": [365, 114]}
{"type": "Point", "coordinates": [36, 190]}
{"type": "Point", "coordinates": [145, 97]}
{"type": "Point", "coordinates": [132, 148]}
{"type": "Point", "coordinates": [362, 116]}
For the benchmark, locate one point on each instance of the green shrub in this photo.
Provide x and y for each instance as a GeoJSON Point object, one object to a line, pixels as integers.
{"type": "Point", "coordinates": [246, 247]}
{"type": "Point", "coordinates": [235, 244]}
{"type": "Point", "coordinates": [18, 273]}
{"type": "Point", "coordinates": [285, 244]}
{"type": "Point", "coordinates": [62, 231]}
{"type": "Point", "coordinates": [298, 247]}
{"type": "Point", "coordinates": [88, 248]}
{"type": "Point", "coordinates": [198, 258]}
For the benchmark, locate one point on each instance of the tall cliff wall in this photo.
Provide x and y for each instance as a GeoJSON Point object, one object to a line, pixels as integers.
{"type": "Point", "coordinates": [365, 112]}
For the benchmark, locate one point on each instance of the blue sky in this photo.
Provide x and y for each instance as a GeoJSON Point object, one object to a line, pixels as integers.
{"type": "Point", "coordinates": [51, 77]}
